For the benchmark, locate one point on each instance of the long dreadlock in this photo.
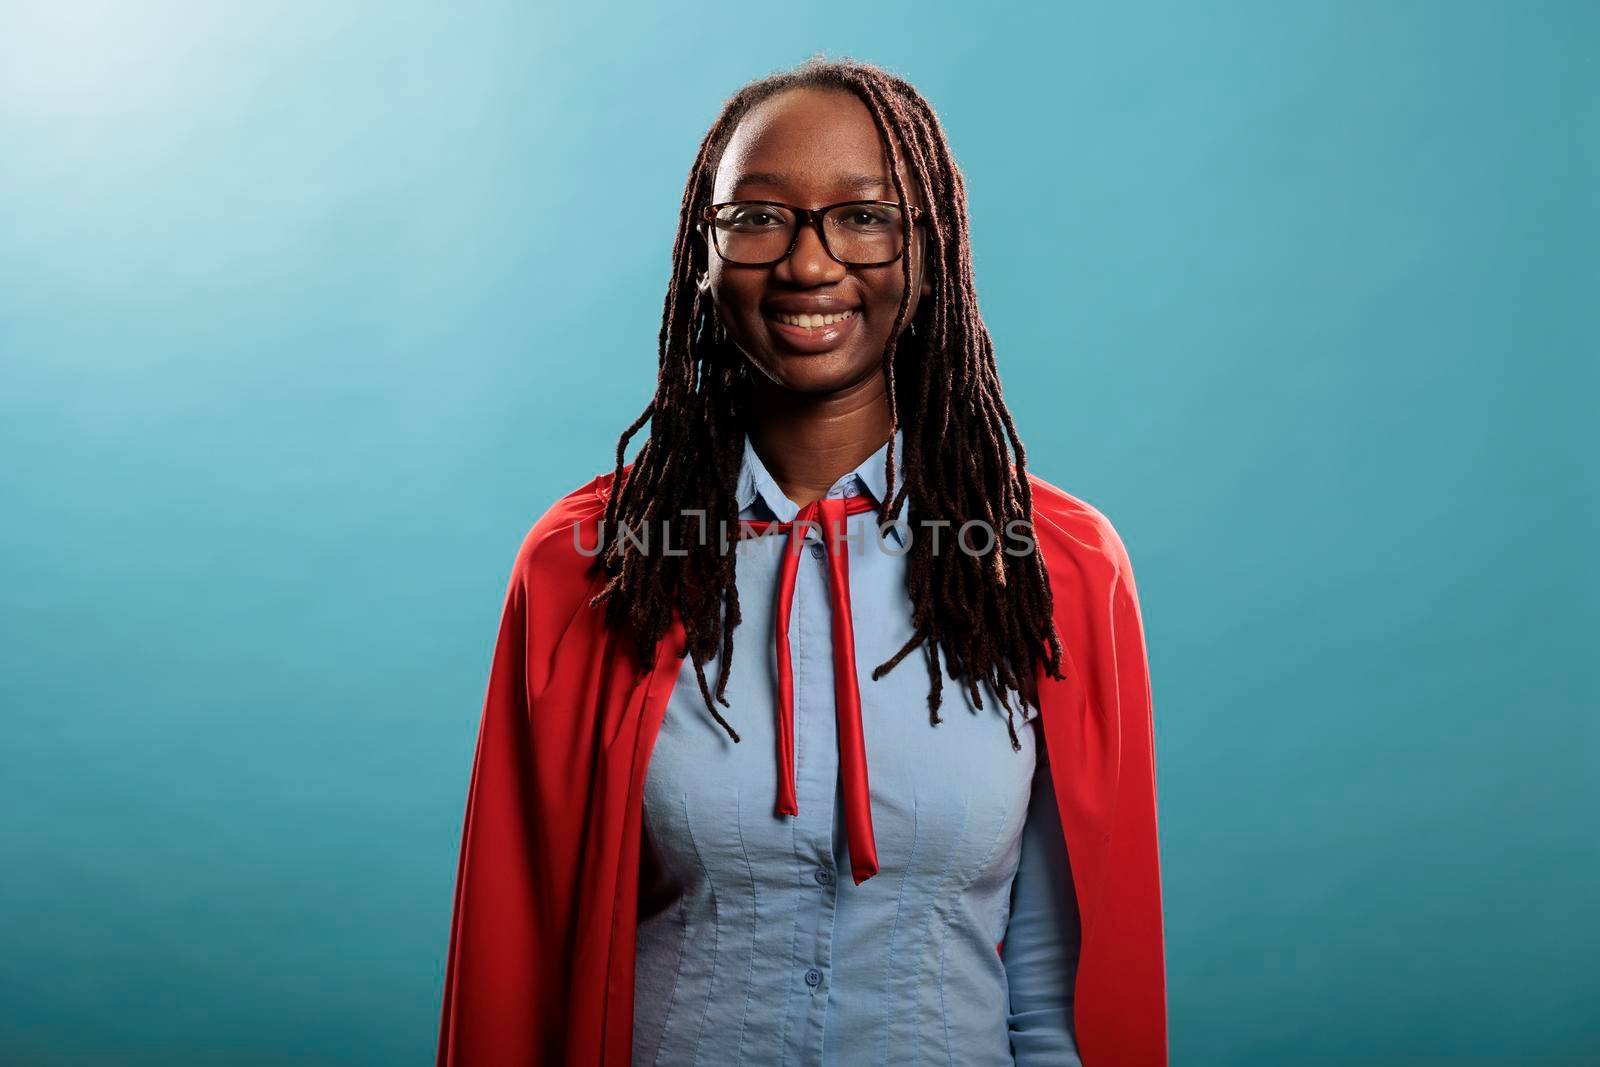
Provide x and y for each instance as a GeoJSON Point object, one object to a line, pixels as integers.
{"type": "Point", "coordinates": [990, 615]}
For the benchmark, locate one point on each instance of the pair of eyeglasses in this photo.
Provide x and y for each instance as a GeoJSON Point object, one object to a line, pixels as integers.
{"type": "Point", "coordinates": [856, 233]}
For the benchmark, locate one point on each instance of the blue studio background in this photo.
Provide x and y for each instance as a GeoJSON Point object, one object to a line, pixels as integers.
{"type": "Point", "coordinates": [307, 312]}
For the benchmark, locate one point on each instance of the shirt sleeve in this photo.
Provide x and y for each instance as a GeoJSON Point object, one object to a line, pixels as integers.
{"type": "Point", "coordinates": [1040, 949]}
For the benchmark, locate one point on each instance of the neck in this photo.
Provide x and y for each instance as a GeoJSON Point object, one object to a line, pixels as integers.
{"type": "Point", "coordinates": [807, 441]}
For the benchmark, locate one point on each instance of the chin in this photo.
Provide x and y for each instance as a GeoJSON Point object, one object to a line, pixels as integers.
{"type": "Point", "coordinates": [823, 373]}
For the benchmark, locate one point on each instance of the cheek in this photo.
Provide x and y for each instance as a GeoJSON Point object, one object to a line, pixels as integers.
{"type": "Point", "coordinates": [725, 317]}
{"type": "Point", "coordinates": [736, 295]}
{"type": "Point", "coordinates": [882, 295]}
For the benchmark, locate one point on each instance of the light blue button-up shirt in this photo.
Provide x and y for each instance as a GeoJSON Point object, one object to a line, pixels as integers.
{"type": "Point", "coordinates": [754, 944]}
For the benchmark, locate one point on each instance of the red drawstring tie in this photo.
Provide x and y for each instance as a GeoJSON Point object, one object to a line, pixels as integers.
{"type": "Point", "coordinates": [830, 514]}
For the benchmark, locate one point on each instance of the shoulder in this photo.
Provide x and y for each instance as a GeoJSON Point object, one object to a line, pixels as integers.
{"type": "Point", "coordinates": [1095, 599]}
{"type": "Point", "coordinates": [1075, 536]}
{"type": "Point", "coordinates": [555, 553]}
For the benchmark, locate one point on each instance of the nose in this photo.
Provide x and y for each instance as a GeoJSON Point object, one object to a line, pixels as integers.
{"type": "Point", "coordinates": [809, 263]}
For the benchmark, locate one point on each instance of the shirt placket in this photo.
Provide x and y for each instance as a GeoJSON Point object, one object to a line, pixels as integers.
{"type": "Point", "coordinates": [819, 835]}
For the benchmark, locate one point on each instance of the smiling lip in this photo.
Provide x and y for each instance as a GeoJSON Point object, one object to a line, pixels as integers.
{"type": "Point", "coordinates": [811, 341]}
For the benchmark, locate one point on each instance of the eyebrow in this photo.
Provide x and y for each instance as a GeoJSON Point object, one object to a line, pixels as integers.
{"type": "Point", "coordinates": [855, 183]}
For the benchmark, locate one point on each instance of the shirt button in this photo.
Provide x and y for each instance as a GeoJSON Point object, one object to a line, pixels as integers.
{"type": "Point", "coordinates": [816, 551]}
{"type": "Point", "coordinates": [813, 978]}
{"type": "Point", "coordinates": [824, 876]}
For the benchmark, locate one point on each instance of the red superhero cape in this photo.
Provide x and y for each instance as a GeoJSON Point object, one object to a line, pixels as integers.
{"type": "Point", "coordinates": [540, 969]}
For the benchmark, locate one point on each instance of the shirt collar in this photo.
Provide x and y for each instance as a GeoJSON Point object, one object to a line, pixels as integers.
{"type": "Point", "coordinates": [757, 487]}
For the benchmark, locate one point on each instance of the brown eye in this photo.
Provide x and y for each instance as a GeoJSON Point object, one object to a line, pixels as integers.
{"type": "Point", "coordinates": [751, 218]}
{"type": "Point", "coordinates": [866, 220]}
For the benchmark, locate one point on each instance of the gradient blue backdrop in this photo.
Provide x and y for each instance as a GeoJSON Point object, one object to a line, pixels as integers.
{"type": "Point", "coordinates": [307, 311]}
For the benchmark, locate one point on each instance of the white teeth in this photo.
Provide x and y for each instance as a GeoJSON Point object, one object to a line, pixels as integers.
{"type": "Point", "coordinates": [812, 322]}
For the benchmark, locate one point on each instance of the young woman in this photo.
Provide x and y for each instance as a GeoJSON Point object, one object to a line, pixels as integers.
{"type": "Point", "coordinates": [674, 853]}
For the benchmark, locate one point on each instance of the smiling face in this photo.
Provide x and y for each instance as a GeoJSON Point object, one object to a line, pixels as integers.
{"type": "Point", "coordinates": [810, 148]}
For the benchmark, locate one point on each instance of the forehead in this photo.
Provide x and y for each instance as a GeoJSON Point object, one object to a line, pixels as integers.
{"type": "Point", "coordinates": [808, 147]}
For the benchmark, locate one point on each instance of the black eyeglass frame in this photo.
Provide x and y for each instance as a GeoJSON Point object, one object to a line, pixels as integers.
{"type": "Point", "coordinates": [804, 216]}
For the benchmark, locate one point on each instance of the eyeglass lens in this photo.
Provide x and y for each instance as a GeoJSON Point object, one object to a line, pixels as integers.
{"type": "Point", "coordinates": [756, 234]}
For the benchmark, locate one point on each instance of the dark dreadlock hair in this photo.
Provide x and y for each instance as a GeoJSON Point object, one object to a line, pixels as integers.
{"type": "Point", "coordinates": [990, 615]}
